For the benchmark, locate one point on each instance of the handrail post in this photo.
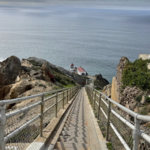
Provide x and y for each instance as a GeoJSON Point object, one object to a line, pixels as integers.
{"type": "Point", "coordinates": [99, 104]}
{"type": "Point", "coordinates": [71, 93]}
{"type": "Point", "coordinates": [94, 100]}
{"type": "Point", "coordinates": [92, 96]}
{"type": "Point", "coordinates": [42, 110]}
{"type": "Point", "coordinates": [108, 120]}
{"type": "Point", "coordinates": [63, 99]}
{"type": "Point", "coordinates": [56, 104]}
{"type": "Point", "coordinates": [2, 126]}
{"type": "Point", "coordinates": [136, 133]}
{"type": "Point", "coordinates": [67, 96]}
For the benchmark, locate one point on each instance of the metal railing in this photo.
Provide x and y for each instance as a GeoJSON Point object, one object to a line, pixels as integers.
{"type": "Point", "coordinates": [20, 125]}
{"type": "Point", "coordinates": [116, 124]}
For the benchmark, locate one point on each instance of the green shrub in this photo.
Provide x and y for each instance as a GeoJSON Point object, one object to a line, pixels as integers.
{"type": "Point", "coordinates": [138, 98]}
{"type": "Point", "coordinates": [41, 85]}
{"type": "Point", "coordinates": [136, 74]}
{"type": "Point", "coordinates": [109, 146]}
{"type": "Point", "coordinates": [147, 99]}
{"type": "Point", "coordinates": [35, 63]}
{"type": "Point", "coordinates": [144, 111]}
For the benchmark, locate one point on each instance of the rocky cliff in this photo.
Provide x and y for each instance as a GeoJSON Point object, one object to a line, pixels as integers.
{"type": "Point", "coordinates": [32, 76]}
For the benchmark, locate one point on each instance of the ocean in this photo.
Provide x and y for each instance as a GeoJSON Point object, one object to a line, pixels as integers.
{"type": "Point", "coordinates": [94, 35]}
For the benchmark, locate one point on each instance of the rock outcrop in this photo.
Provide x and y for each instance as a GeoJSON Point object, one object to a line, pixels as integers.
{"type": "Point", "coordinates": [130, 97]}
{"type": "Point", "coordinates": [120, 68]}
{"type": "Point", "coordinates": [9, 70]}
{"type": "Point", "coordinates": [107, 90]}
{"type": "Point", "coordinates": [47, 72]}
{"type": "Point", "coordinates": [100, 82]}
{"type": "Point", "coordinates": [19, 88]}
{"type": "Point", "coordinates": [33, 61]}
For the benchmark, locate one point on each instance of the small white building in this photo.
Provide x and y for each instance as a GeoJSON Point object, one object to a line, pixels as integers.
{"type": "Point", "coordinates": [81, 71]}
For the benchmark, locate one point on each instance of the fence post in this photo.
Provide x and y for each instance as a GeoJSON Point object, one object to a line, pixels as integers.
{"type": "Point", "coordinates": [99, 104]}
{"type": "Point", "coordinates": [63, 99]}
{"type": "Point", "coordinates": [108, 120]}
{"type": "Point", "coordinates": [90, 94]}
{"type": "Point", "coordinates": [94, 100]}
{"type": "Point", "coordinates": [2, 126]}
{"type": "Point", "coordinates": [136, 133]}
{"type": "Point", "coordinates": [71, 93]}
{"type": "Point", "coordinates": [67, 96]}
{"type": "Point", "coordinates": [93, 97]}
{"type": "Point", "coordinates": [56, 104]}
{"type": "Point", "coordinates": [42, 110]}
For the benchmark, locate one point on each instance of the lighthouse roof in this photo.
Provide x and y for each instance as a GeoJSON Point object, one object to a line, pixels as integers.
{"type": "Point", "coordinates": [71, 64]}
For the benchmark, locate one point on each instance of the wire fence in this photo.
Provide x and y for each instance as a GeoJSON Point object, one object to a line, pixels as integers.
{"type": "Point", "coordinates": [25, 121]}
{"type": "Point", "coordinates": [117, 125]}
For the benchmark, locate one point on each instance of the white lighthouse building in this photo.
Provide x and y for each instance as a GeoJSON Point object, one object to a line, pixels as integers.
{"type": "Point", "coordinates": [71, 67]}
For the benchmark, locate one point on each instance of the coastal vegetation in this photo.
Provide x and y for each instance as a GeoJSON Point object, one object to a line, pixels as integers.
{"type": "Point", "coordinates": [136, 74]}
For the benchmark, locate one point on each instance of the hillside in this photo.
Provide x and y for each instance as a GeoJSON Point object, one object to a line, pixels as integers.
{"type": "Point", "coordinates": [32, 76]}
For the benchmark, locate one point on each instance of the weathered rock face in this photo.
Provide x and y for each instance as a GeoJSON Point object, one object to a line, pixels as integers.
{"type": "Point", "coordinates": [120, 68]}
{"type": "Point", "coordinates": [107, 90]}
{"type": "Point", "coordinates": [129, 96]}
{"type": "Point", "coordinates": [39, 62]}
{"type": "Point", "coordinates": [9, 70]}
{"type": "Point", "coordinates": [100, 82]}
{"type": "Point", "coordinates": [19, 88]}
{"type": "Point", "coordinates": [4, 91]}
{"type": "Point", "coordinates": [47, 72]}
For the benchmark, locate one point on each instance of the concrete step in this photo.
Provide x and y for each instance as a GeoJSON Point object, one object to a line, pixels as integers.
{"type": "Point", "coordinates": [73, 139]}
{"type": "Point", "coordinates": [76, 125]}
{"type": "Point", "coordinates": [74, 134]}
{"type": "Point", "coordinates": [72, 146]}
{"type": "Point", "coordinates": [76, 122]}
{"type": "Point", "coordinates": [80, 130]}
{"type": "Point", "coordinates": [76, 128]}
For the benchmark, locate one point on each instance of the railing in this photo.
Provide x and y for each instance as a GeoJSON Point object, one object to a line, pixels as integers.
{"type": "Point", "coordinates": [20, 125]}
{"type": "Point", "coordinates": [124, 133]}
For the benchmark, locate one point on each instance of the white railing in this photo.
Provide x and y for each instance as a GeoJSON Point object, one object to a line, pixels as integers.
{"type": "Point", "coordinates": [96, 98]}
{"type": "Point", "coordinates": [61, 95]}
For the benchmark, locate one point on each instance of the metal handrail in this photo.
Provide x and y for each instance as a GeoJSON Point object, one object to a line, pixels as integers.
{"type": "Point", "coordinates": [137, 117]}
{"type": "Point", "coordinates": [16, 100]}
{"type": "Point", "coordinates": [4, 116]}
{"type": "Point", "coordinates": [132, 113]}
{"type": "Point", "coordinates": [117, 104]}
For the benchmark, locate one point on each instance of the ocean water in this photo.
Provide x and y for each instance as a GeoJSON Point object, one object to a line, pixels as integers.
{"type": "Point", "coordinates": [93, 35]}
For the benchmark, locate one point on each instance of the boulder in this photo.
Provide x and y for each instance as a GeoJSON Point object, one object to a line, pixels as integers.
{"type": "Point", "coordinates": [9, 70]}
{"type": "Point", "coordinates": [4, 91]}
{"type": "Point", "coordinates": [19, 88]}
{"type": "Point", "coordinates": [47, 72]}
{"type": "Point", "coordinates": [98, 77]}
{"type": "Point", "coordinates": [100, 82]}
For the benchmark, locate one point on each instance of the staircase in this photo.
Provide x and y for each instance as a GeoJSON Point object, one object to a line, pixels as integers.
{"type": "Point", "coordinates": [74, 135]}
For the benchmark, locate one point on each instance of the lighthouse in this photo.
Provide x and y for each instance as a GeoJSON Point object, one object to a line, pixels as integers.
{"type": "Point", "coordinates": [71, 67]}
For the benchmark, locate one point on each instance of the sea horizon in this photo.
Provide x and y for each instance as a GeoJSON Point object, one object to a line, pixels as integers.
{"type": "Point", "coordinates": [94, 35]}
